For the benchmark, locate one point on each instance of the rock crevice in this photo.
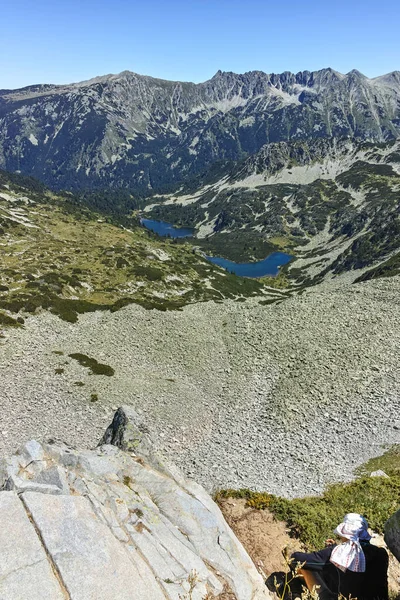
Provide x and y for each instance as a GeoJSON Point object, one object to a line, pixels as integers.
{"type": "Point", "coordinates": [109, 523]}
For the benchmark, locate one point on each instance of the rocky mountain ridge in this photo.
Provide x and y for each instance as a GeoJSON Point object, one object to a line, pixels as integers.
{"type": "Point", "coordinates": [134, 131]}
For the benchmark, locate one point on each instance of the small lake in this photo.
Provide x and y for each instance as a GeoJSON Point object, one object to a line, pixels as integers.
{"type": "Point", "coordinates": [166, 229]}
{"type": "Point", "coordinates": [268, 267]}
{"type": "Point", "coordinates": [261, 268]}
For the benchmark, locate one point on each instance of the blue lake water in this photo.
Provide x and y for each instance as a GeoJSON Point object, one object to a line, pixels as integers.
{"type": "Point", "coordinates": [267, 267]}
{"type": "Point", "coordinates": [166, 229]}
{"type": "Point", "coordinates": [262, 268]}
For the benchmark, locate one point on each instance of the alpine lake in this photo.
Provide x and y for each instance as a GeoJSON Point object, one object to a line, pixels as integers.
{"type": "Point", "coordinates": [268, 267]}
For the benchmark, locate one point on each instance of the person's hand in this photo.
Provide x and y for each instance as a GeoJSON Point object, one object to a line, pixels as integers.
{"type": "Point", "coordinates": [329, 542]}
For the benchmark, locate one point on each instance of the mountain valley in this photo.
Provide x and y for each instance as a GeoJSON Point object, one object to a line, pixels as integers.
{"type": "Point", "coordinates": [59, 255]}
{"type": "Point", "coordinates": [200, 300]}
{"type": "Point", "coordinates": [240, 380]}
{"type": "Point", "coordinates": [333, 204]}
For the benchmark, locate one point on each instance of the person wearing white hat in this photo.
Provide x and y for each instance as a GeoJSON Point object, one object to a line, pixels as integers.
{"type": "Point", "coordinates": [353, 568]}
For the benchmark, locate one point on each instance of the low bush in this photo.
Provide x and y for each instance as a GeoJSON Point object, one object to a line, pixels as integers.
{"type": "Point", "coordinates": [8, 321]}
{"type": "Point", "coordinates": [95, 367]}
{"type": "Point", "coordinates": [313, 519]}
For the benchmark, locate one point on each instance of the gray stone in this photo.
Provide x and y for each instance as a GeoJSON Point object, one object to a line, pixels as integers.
{"type": "Point", "coordinates": [198, 517]}
{"type": "Point", "coordinates": [392, 534]}
{"type": "Point", "coordinates": [92, 563]}
{"type": "Point", "coordinates": [379, 473]}
{"type": "Point", "coordinates": [55, 477]}
{"type": "Point", "coordinates": [25, 571]}
{"type": "Point", "coordinates": [30, 452]}
{"type": "Point", "coordinates": [124, 431]}
{"type": "Point", "coordinates": [128, 432]}
{"type": "Point", "coordinates": [16, 483]}
{"type": "Point", "coordinates": [124, 526]}
{"type": "Point", "coordinates": [29, 470]}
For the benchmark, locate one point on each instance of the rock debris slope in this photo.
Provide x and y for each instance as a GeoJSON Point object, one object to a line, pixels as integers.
{"type": "Point", "coordinates": [284, 398]}
{"type": "Point", "coordinates": [104, 524]}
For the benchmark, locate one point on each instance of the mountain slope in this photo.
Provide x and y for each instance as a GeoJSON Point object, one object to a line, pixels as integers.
{"type": "Point", "coordinates": [333, 204]}
{"type": "Point", "coordinates": [57, 254]}
{"type": "Point", "coordinates": [133, 131]}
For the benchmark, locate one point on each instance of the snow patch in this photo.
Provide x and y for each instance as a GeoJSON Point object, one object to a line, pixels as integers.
{"type": "Point", "coordinates": [228, 104]}
{"type": "Point", "coordinates": [193, 145]}
{"type": "Point", "coordinates": [169, 278]}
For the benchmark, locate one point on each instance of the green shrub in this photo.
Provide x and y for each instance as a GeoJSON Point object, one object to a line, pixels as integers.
{"type": "Point", "coordinates": [95, 367]}
{"type": "Point", "coordinates": [148, 272]}
{"type": "Point", "coordinates": [389, 462]}
{"type": "Point", "coordinates": [8, 321]}
{"type": "Point", "coordinates": [313, 519]}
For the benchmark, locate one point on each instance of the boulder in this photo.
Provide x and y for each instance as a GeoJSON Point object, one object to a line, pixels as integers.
{"type": "Point", "coordinates": [118, 522]}
{"type": "Point", "coordinates": [379, 473]}
{"type": "Point", "coordinates": [392, 534]}
{"type": "Point", "coordinates": [128, 432]}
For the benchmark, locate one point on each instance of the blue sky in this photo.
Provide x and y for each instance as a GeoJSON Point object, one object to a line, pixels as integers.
{"type": "Point", "coordinates": [61, 41]}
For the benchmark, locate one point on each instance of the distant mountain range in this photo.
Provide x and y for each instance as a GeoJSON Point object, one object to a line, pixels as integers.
{"type": "Point", "coordinates": [144, 134]}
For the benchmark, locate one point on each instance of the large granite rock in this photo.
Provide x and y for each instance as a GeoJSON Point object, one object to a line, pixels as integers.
{"type": "Point", "coordinates": [24, 564]}
{"type": "Point", "coordinates": [109, 524]}
{"type": "Point", "coordinates": [392, 534]}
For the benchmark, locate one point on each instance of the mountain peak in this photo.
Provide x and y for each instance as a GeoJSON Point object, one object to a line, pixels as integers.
{"type": "Point", "coordinates": [132, 130]}
{"type": "Point", "coordinates": [356, 73]}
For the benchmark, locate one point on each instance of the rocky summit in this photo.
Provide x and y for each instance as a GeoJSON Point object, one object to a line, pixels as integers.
{"type": "Point", "coordinates": [112, 523]}
{"type": "Point", "coordinates": [129, 130]}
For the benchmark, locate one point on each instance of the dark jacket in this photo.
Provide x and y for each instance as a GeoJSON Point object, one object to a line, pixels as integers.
{"type": "Point", "coordinates": [370, 585]}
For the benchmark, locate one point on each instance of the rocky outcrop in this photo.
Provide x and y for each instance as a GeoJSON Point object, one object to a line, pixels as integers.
{"type": "Point", "coordinates": [392, 534]}
{"type": "Point", "coordinates": [107, 524]}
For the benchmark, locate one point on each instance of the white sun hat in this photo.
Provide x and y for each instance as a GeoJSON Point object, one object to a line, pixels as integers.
{"type": "Point", "coordinates": [350, 555]}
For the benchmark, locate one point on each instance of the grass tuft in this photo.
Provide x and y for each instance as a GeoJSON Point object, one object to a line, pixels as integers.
{"type": "Point", "coordinates": [8, 321]}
